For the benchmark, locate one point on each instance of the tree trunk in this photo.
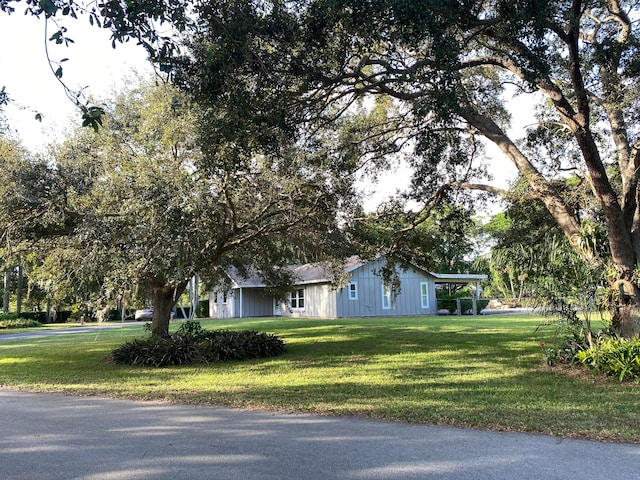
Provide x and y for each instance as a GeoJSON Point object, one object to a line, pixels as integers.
{"type": "Point", "coordinates": [626, 315]}
{"type": "Point", "coordinates": [626, 321]}
{"type": "Point", "coordinates": [7, 287]}
{"type": "Point", "coordinates": [19, 290]}
{"type": "Point", "coordinates": [556, 206]}
{"type": "Point", "coordinates": [164, 296]}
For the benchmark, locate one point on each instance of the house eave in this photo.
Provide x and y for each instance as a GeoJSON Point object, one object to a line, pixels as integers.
{"type": "Point", "coordinates": [459, 277]}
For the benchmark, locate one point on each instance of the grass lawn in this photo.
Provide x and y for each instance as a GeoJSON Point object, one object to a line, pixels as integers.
{"type": "Point", "coordinates": [479, 372]}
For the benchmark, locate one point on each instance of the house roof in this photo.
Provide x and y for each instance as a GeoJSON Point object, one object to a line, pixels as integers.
{"type": "Point", "coordinates": [304, 274]}
{"type": "Point", "coordinates": [253, 279]}
{"type": "Point", "coordinates": [318, 272]}
{"type": "Point", "coordinates": [311, 273]}
{"type": "Point", "coordinates": [459, 277]}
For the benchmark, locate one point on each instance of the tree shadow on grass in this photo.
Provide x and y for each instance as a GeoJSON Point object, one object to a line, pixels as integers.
{"type": "Point", "coordinates": [481, 377]}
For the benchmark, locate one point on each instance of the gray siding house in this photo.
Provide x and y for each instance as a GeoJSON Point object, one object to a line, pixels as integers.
{"type": "Point", "coordinates": [362, 293]}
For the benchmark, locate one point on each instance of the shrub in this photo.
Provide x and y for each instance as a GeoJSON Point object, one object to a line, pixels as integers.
{"type": "Point", "coordinates": [565, 354]}
{"type": "Point", "coordinates": [222, 345]}
{"type": "Point", "coordinates": [19, 323]}
{"type": "Point", "coordinates": [192, 330]}
{"type": "Point", "coordinates": [191, 344]}
{"type": "Point", "coordinates": [466, 304]}
{"type": "Point", "coordinates": [8, 316]}
{"type": "Point", "coordinates": [575, 333]}
{"type": "Point", "coordinates": [37, 316]}
{"type": "Point", "coordinates": [62, 316]}
{"type": "Point", "coordinates": [157, 352]}
{"type": "Point", "coordinates": [619, 358]}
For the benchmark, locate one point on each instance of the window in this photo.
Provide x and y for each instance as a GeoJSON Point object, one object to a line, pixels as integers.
{"type": "Point", "coordinates": [386, 297]}
{"type": "Point", "coordinates": [424, 294]}
{"type": "Point", "coordinates": [296, 299]}
{"type": "Point", "coordinates": [353, 291]}
{"type": "Point", "coordinates": [221, 297]}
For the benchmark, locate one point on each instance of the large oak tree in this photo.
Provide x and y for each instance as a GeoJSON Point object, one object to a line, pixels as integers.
{"type": "Point", "coordinates": [449, 67]}
{"type": "Point", "coordinates": [141, 204]}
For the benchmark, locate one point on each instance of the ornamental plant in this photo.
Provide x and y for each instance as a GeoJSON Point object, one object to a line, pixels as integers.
{"type": "Point", "coordinates": [616, 357]}
{"type": "Point", "coordinates": [191, 344]}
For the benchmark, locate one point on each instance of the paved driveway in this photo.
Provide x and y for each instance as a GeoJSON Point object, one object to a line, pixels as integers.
{"type": "Point", "coordinates": [94, 327]}
{"type": "Point", "coordinates": [56, 437]}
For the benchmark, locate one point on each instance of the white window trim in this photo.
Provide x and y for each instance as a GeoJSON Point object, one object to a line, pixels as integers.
{"type": "Point", "coordinates": [386, 297]}
{"type": "Point", "coordinates": [424, 294]}
{"type": "Point", "coordinates": [354, 291]}
{"type": "Point", "coordinates": [297, 298]}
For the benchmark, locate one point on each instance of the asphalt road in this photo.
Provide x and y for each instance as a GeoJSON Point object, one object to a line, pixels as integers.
{"type": "Point", "coordinates": [70, 438]}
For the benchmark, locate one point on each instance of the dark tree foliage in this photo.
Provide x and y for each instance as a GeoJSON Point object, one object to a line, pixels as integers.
{"type": "Point", "coordinates": [442, 243]}
{"type": "Point", "coordinates": [446, 65]}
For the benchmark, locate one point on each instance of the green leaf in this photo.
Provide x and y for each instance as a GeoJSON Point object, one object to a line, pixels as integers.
{"type": "Point", "coordinates": [56, 36]}
{"type": "Point", "coordinates": [92, 117]}
{"type": "Point", "coordinates": [39, 117]}
{"type": "Point", "coordinates": [58, 72]}
{"type": "Point", "coordinates": [49, 7]}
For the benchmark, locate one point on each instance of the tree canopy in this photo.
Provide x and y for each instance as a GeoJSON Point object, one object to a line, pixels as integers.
{"type": "Point", "coordinates": [142, 205]}
{"type": "Point", "coordinates": [447, 70]}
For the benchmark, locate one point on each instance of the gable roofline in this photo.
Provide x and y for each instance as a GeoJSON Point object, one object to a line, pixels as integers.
{"type": "Point", "coordinates": [314, 273]}
{"type": "Point", "coordinates": [309, 273]}
{"type": "Point", "coordinates": [355, 262]}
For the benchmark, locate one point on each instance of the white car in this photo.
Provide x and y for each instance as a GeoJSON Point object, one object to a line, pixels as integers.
{"type": "Point", "coordinates": [144, 314]}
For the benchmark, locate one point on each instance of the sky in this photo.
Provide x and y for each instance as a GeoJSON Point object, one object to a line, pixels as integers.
{"type": "Point", "coordinates": [27, 78]}
{"type": "Point", "coordinates": [94, 64]}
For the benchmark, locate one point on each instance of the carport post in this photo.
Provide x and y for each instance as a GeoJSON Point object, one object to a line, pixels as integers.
{"type": "Point", "coordinates": [476, 296]}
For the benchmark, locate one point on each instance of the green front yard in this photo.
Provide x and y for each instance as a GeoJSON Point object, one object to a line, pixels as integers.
{"type": "Point", "coordinates": [480, 372]}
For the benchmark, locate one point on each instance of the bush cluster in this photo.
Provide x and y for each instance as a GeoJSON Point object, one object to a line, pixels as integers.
{"type": "Point", "coordinates": [603, 352]}
{"type": "Point", "coordinates": [619, 358]}
{"type": "Point", "coordinates": [40, 317]}
{"type": "Point", "coordinates": [37, 316]}
{"type": "Point", "coordinates": [18, 323]}
{"type": "Point", "coordinates": [24, 320]}
{"type": "Point", "coordinates": [466, 304]}
{"type": "Point", "coordinates": [191, 344]}
{"type": "Point", "coordinates": [63, 316]}
{"type": "Point", "coordinates": [574, 334]}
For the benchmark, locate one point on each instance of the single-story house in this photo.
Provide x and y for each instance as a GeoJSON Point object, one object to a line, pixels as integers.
{"type": "Point", "coordinates": [314, 294]}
